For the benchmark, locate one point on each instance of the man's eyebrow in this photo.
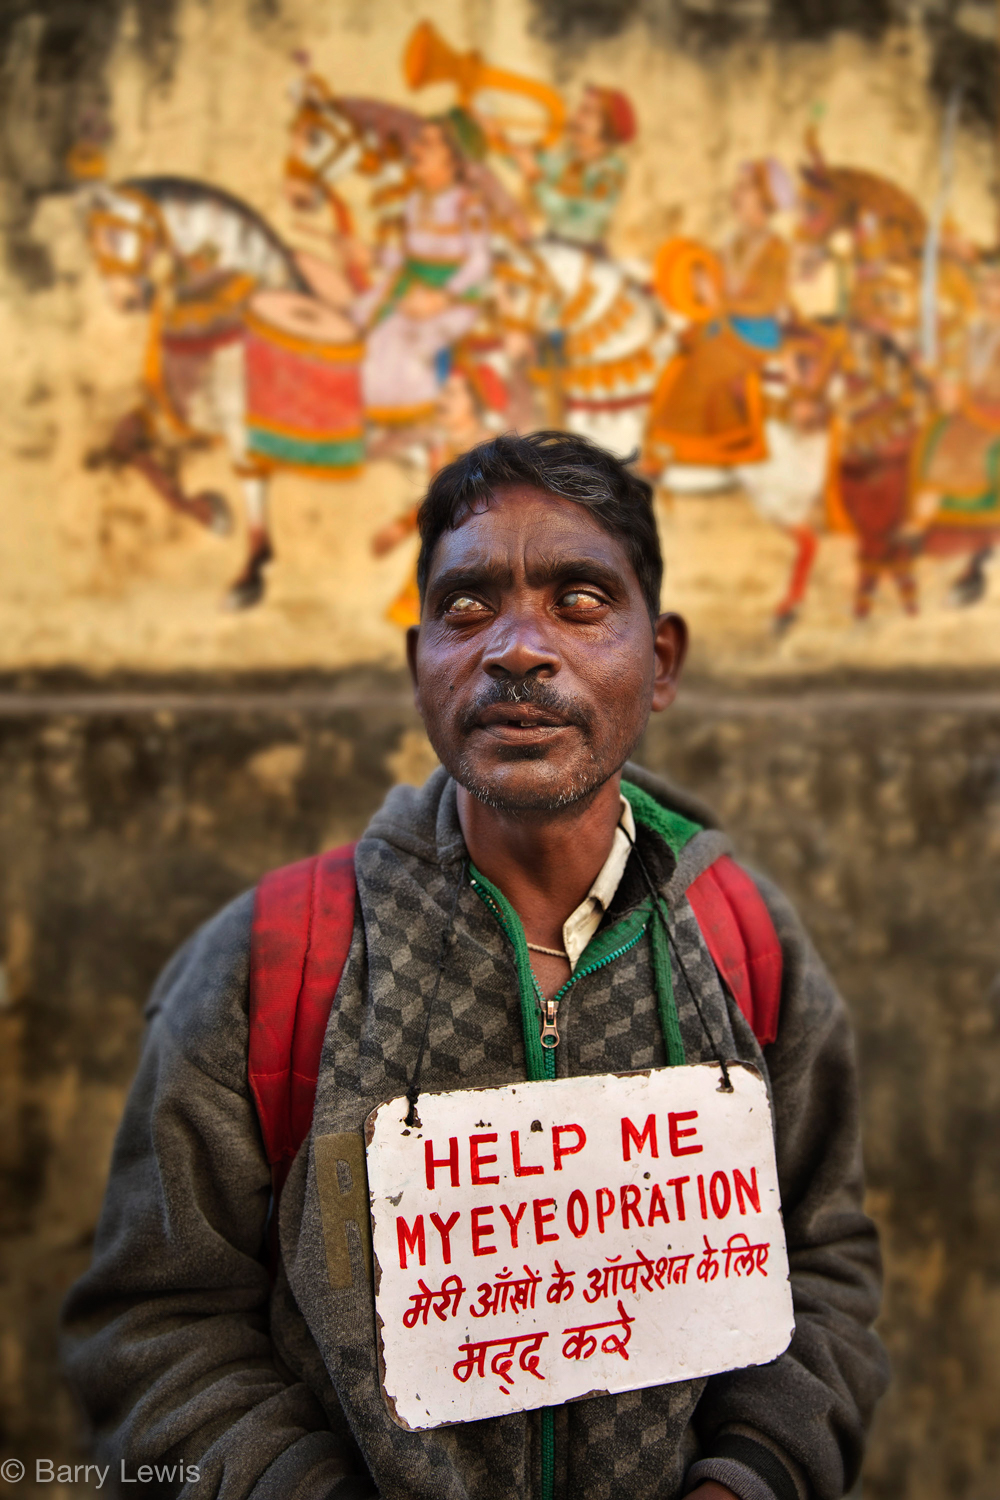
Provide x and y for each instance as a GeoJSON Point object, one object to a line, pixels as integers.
{"type": "Point", "coordinates": [483, 572]}
{"type": "Point", "coordinates": [472, 574]}
{"type": "Point", "coordinates": [587, 569]}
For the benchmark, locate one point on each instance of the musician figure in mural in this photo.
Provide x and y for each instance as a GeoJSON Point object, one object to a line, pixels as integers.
{"type": "Point", "coordinates": [957, 474]}
{"type": "Point", "coordinates": [239, 352]}
{"type": "Point", "coordinates": [576, 183]}
{"type": "Point", "coordinates": [708, 405]}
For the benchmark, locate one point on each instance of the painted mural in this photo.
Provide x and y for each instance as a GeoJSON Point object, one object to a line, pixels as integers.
{"type": "Point", "coordinates": [817, 377]}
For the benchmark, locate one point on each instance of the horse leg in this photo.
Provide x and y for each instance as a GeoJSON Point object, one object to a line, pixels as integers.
{"type": "Point", "coordinates": [864, 594]}
{"type": "Point", "coordinates": [806, 543]}
{"type": "Point", "coordinates": [906, 582]}
{"type": "Point", "coordinates": [970, 585]}
{"type": "Point", "coordinates": [132, 445]}
{"type": "Point", "coordinates": [248, 588]}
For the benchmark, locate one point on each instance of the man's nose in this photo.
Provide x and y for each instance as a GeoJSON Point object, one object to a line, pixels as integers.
{"type": "Point", "coordinates": [520, 645]}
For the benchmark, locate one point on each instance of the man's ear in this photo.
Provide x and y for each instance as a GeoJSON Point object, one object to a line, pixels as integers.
{"type": "Point", "coordinates": [412, 639]}
{"type": "Point", "coordinates": [670, 643]}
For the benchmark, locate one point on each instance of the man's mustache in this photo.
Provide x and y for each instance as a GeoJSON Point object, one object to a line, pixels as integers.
{"type": "Point", "coordinates": [516, 691]}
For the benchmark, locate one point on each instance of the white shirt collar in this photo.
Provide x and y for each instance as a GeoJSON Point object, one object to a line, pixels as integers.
{"type": "Point", "coordinates": [580, 926]}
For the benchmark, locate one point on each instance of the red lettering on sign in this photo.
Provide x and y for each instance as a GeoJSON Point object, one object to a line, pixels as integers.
{"type": "Point", "coordinates": [559, 1151]}
{"type": "Point", "coordinates": [451, 1160]}
{"type": "Point", "coordinates": [720, 1194]}
{"type": "Point", "coordinates": [515, 1149]}
{"type": "Point", "coordinates": [542, 1219]}
{"type": "Point", "coordinates": [677, 1183]}
{"type": "Point", "coordinates": [701, 1196]}
{"type": "Point", "coordinates": [606, 1197]}
{"type": "Point", "coordinates": [676, 1136]}
{"type": "Point", "coordinates": [475, 1141]}
{"type": "Point", "coordinates": [512, 1223]}
{"type": "Point", "coordinates": [411, 1239]}
{"type": "Point", "coordinates": [577, 1214]}
{"type": "Point", "coordinates": [630, 1205]}
{"type": "Point", "coordinates": [742, 1186]}
{"type": "Point", "coordinates": [444, 1230]}
{"type": "Point", "coordinates": [631, 1137]}
{"type": "Point", "coordinates": [657, 1206]}
{"type": "Point", "coordinates": [480, 1230]}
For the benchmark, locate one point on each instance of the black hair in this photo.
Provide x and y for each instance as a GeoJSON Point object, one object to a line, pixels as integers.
{"type": "Point", "coordinates": [558, 463]}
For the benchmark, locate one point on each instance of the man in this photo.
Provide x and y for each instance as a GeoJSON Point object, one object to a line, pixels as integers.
{"type": "Point", "coordinates": [576, 184]}
{"type": "Point", "coordinates": [540, 654]}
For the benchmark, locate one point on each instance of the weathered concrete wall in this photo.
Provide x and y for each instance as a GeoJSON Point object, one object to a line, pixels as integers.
{"type": "Point", "coordinates": [124, 821]}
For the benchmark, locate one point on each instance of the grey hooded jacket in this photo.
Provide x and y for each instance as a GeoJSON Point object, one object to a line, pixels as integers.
{"type": "Point", "coordinates": [189, 1360]}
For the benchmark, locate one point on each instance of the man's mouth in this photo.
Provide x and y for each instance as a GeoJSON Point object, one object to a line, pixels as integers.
{"type": "Point", "coordinates": [519, 721]}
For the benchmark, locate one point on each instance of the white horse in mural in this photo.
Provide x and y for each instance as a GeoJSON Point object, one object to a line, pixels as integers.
{"type": "Point", "coordinates": [239, 351]}
{"type": "Point", "coordinates": [602, 337]}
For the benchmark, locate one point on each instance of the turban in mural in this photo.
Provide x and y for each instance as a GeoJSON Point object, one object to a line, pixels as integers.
{"type": "Point", "coordinates": [619, 116]}
{"type": "Point", "coordinates": [772, 181]}
{"type": "Point", "coordinates": [465, 133]}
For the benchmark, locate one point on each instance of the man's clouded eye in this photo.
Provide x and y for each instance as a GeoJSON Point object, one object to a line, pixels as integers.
{"type": "Point", "coordinates": [463, 604]}
{"type": "Point", "coordinates": [580, 599]}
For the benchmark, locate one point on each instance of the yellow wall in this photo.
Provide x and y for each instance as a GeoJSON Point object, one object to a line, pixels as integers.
{"type": "Point", "coordinates": [95, 571]}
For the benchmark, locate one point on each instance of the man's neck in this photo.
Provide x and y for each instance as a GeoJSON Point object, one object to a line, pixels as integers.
{"type": "Point", "coordinates": [543, 864]}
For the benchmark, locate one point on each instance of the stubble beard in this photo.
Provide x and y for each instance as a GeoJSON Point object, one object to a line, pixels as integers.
{"type": "Point", "coordinates": [577, 785]}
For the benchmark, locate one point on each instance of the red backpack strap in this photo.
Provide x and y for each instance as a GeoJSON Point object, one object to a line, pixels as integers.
{"type": "Point", "coordinates": [740, 936]}
{"type": "Point", "coordinates": [303, 921]}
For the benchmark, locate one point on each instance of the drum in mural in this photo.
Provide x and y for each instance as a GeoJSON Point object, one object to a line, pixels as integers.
{"type": "Point", "coordinates": [303, 386]}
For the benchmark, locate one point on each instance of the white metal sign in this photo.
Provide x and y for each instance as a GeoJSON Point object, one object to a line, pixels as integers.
{"type": "Point", "coordinates": [547, 1241]}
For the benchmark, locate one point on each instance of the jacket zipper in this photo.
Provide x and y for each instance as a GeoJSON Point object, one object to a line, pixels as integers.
{"type": "Point", "coordinates": [549, 1009]}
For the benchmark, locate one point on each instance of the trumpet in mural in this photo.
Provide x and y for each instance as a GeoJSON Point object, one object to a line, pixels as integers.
{"type": "Point", "coordinates": [598, 336]}
{"type": "Point", "coordinates": [595, 332]}
{"type": "Point", "coordinates": [240, 351]}
{"type": "Point", "coordinates": [315, 362]}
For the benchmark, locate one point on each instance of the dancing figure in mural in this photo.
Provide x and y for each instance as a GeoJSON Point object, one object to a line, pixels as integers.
{"type": "Point", "coordinates": [884, 439]}
{"type": "Point", "coordinates": [957, 474]}
{"type": "Point", "coordinates": [239, 351]}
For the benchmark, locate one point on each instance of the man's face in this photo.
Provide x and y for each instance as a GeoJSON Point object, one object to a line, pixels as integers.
{"type": "Point", "coordinates": [536, 665]}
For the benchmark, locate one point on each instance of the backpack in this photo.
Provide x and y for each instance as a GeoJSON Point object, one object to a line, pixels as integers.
{"type": "Point", "coordinates": [303, 923]}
